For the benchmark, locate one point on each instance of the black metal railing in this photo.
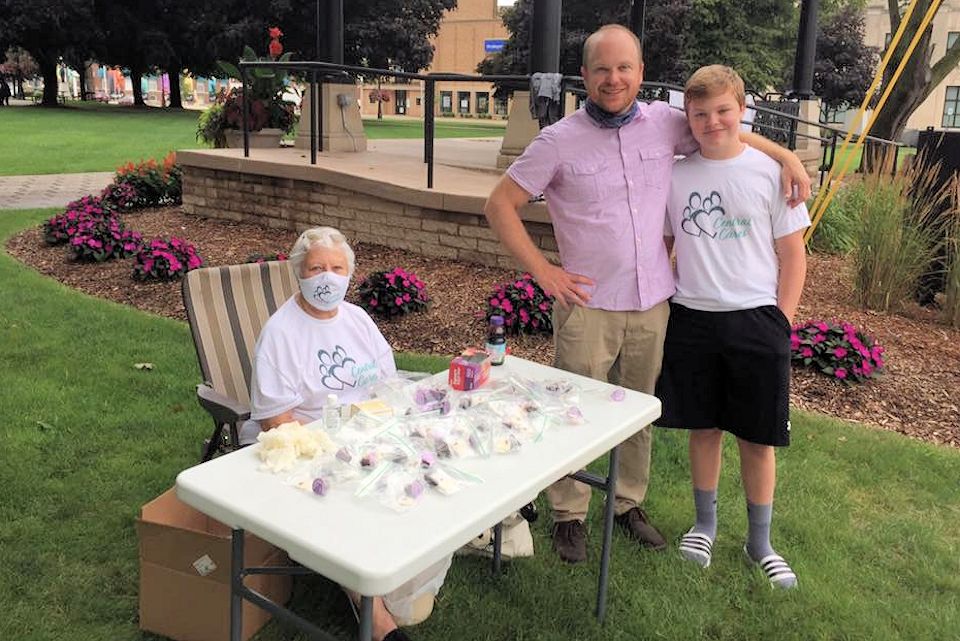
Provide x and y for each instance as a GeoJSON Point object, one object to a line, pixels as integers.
{"type": "Point", "coordinates": [775, 119]}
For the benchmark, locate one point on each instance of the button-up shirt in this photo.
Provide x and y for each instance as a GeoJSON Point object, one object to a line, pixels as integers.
{"type": "Point", "coordinates": [606, 191]}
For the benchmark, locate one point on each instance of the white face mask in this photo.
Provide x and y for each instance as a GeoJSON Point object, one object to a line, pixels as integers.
{"type": "Point", "coordinates": [324, 291]}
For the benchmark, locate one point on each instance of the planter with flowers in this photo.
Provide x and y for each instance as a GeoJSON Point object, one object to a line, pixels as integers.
{"type": "Point", "coordinates": [269, 115]}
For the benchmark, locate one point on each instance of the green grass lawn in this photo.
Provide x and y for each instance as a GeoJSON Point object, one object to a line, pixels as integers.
{"type": "Point", "coordinates": [84, 137]}
{"type": "Point", "coordinates": [868, 519]}
{"type": "Point", "coordinates": [857, 155]}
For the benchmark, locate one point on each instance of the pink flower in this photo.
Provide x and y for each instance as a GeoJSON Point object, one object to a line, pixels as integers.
{"type": "Point", "coordinates": [543, 307]}
{"type": "Point", "coordinates": [406, 297]}
{"type": "Point", "coordinates": [823, 327]}
{"type": "Point", "coordinates": [840, 373]}
{"type": "Point", "coordinates": [819, 338]}
{"type": "Point", "coordinates": [524, 316]}
{"type": "Point", "coordinates": [806, 352]}
{"type": "Point", "coordinates": [867, 368]}
{"type": "Point", "coordinates": [794, 341]}
{"type": "Point", "coordinates": [373, 302]}
{"type": "Point", "coordinates": [494, 302]}
{"type": "Point", "coordinates": [839, 352]}
{"type": "Point", "coordinates": [507, 306]}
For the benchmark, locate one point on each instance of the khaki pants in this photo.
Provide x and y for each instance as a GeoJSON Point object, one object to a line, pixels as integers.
{"type": "Point", "coordinates": [623, 348]}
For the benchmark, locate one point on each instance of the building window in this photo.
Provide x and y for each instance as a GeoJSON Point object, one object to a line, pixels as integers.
{"type": "Point", "coordinates": [446, 102]}
{"type": "Point", "coordinates": [483, 102]}
{"type": "Point", "coordinates": [419, 100]}
{"type": "Point", "coordinates": [500, 105]}
{"type": "Point", "coordinates": [951, 108]}
{"type": "Point", "coordinates": [463, 102]}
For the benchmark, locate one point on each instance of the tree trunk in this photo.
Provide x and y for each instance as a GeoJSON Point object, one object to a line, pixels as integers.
{"type": "Point", "coordinates": [176, 100]}
{"type": "Point", "coordinates": [379, 101]}
{"type": "Point", "coordinates": [83, 81]}
{"type": "Point", "coordinates": [136, 77]}
{"type": "Point", "coordinates": [48, 69]}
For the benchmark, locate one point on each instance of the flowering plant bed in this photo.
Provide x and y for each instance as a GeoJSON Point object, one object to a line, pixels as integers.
{"type": "Point", "coordinates": [525, 308]}
{"type": "Point", "coordinates": [165, 259]}
{"type": "Point", "coordinates": [393, 293]}
{"type": "Point", "coordinates": [838, 349]}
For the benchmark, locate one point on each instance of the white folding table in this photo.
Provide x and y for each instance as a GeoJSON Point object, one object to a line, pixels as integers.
{"type": "Point", "coordinates": [370, 549]}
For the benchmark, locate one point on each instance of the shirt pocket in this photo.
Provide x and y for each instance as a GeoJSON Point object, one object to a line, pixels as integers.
{"type": "Point", "coordinates": [655, 163]}
{"type": "Point", "coordinates": [581, 181]}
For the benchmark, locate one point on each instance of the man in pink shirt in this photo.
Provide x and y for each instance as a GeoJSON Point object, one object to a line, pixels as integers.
{"type": "Point", "coordinates": [605, 173]}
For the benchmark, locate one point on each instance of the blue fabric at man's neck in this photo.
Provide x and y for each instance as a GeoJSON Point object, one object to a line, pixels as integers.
{"type": "Point", "coordinates": [607, 120]}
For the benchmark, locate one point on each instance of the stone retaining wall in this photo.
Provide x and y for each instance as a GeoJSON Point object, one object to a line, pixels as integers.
{"type": "Point", "coordinates": [299, 204]}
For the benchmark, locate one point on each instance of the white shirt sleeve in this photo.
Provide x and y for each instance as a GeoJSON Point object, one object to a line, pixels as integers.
{"type": "Point", "coordinates": [272, 392]}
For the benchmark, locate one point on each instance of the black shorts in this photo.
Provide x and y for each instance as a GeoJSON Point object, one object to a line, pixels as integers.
{"type": "Point", "coordinates": [728, 370]}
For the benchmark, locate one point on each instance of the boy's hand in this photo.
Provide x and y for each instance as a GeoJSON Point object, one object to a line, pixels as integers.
{"type": "Point", "coordinates": [795, 181]}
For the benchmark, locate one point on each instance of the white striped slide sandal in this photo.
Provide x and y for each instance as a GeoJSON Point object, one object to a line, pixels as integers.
{"type": "Point", "coordinates": [696, 547]}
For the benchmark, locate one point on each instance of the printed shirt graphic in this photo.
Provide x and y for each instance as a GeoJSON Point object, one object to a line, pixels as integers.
{"type": "Point", "coordinates": [725, 216]}
{"type": "Point", "coordinates": [300, 359]}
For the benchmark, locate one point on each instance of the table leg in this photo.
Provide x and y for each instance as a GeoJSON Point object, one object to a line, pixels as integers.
{"type": "Point", "coordinates": [611, 488]}
{"type": "Point", "coordinates": [366, 618]}
{"type": "Point", "coordinates": [236, 585]}
{"type": "Point", "coordinates": [497, 545]}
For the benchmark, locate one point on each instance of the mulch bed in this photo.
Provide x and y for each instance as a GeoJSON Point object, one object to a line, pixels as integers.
{"type": "Point", "coordinates": [918, 395]}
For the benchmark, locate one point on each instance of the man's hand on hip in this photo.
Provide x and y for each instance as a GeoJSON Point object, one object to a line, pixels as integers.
{"type": "Point", "coordinates": [563, 285]}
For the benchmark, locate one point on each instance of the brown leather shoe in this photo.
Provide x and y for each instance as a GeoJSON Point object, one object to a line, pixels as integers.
{"type": "Point", "coordinates": [570, 541]}
{"type": "Point", "coordinates": [637, 526]}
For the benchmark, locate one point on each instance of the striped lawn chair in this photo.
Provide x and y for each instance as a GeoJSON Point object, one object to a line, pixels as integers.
{"type": "Point", "coordinates": [227, 307]}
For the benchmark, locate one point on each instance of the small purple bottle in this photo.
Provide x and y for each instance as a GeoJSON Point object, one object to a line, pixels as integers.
{"type": "Point", "coordinates": [496, 340]}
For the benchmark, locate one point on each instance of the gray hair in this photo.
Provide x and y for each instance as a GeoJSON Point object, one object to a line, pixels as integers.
{"type": "Point", "coordinates": [320, 237]}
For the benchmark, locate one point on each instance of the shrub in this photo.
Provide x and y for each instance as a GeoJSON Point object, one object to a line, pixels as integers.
{"type": "Point", "coordinates": [898, 237]}
{"type": "Point", "coordinates": [837, 349]}
{"type": "Point", "coordinates": [525, 308]}
{"type": "Point", "coordinates": [121, 196]}
{"type": "Point", "coordinates": [60, 228]}
{"type": "Point", "coordinates": [837, 231]}
{"type": "Point", "coordinates": [393, 293]}
{"type": "Point", "coordinates": [951, 290]}
{"type": "Point", "coordinates": [163, 259]}
{"type": "Point", "coordinates": [100, 238]}
{"type": "Point", "coordinates": [153, 184]}
{"type": "Point", "coordinates": [262, 258]}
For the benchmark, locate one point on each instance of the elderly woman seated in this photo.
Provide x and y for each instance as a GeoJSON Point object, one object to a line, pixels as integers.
{"type": "Point", "coordinates": [317, 344]}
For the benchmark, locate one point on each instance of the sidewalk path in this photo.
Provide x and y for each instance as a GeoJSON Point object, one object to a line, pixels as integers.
{"type": "Point", "coordinates": [50, 190]}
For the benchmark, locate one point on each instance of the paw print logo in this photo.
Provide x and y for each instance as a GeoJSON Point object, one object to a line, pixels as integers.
{"type": "Point", "coordinates": [322, 292]}
{"type": "Point", "coordinates": [699, 212]}
{"type": "Point", "coordinates": [336, 369]}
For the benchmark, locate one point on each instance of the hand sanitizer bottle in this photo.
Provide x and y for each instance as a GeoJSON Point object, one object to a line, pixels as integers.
{"type": "Point", "coordinates": [331, 413]}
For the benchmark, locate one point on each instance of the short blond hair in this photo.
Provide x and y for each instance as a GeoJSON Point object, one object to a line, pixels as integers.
{"type": "Point", "coordinates": [713, 80]}
{"type": "Point", "coordinates": [591, 40]}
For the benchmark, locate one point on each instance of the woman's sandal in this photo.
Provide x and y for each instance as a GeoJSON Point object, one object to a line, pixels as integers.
{"type": "Point", "coordinates": [777, 570]}
{"type": "Point", "coordinates": [697, 547]}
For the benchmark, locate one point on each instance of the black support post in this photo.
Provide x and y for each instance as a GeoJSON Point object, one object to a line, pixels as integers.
{"type": "Point", "coordinates": [545, 52]}
{"type": "Point", "coordinates": [806, 51]}
{"type": "Point", "coordinates": [335, 31]}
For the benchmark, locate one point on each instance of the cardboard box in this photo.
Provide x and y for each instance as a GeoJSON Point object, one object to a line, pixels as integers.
{"type": "Point", "coordinates": [185, 573]}
{"type": "Point", "coordinates": [470, 370]}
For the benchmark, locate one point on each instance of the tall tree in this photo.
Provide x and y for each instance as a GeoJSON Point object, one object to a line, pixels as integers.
{"type": "Point", "coordinates": [755, 37]}
{"type": "Point", "coordinates": [133, 39]}
{"type": "Point", "coordinates": [21, 66]}
{"type": "Point", "coordinates": [844, 65]}
{"type": "Point", "coordinates": [666, 25]}
{"type": "Point", "coordinates": [920, 76]}
{"type": "Point", "coordinates": [47, 29]}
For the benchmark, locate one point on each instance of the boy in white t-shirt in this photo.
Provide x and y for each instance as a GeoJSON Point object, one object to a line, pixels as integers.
{"type": "Point", "coordinates": [741, 265]}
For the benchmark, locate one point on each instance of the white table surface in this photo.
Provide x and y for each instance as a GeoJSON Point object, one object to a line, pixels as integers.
{"type": "Point", "coordinates": [365, 546]}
